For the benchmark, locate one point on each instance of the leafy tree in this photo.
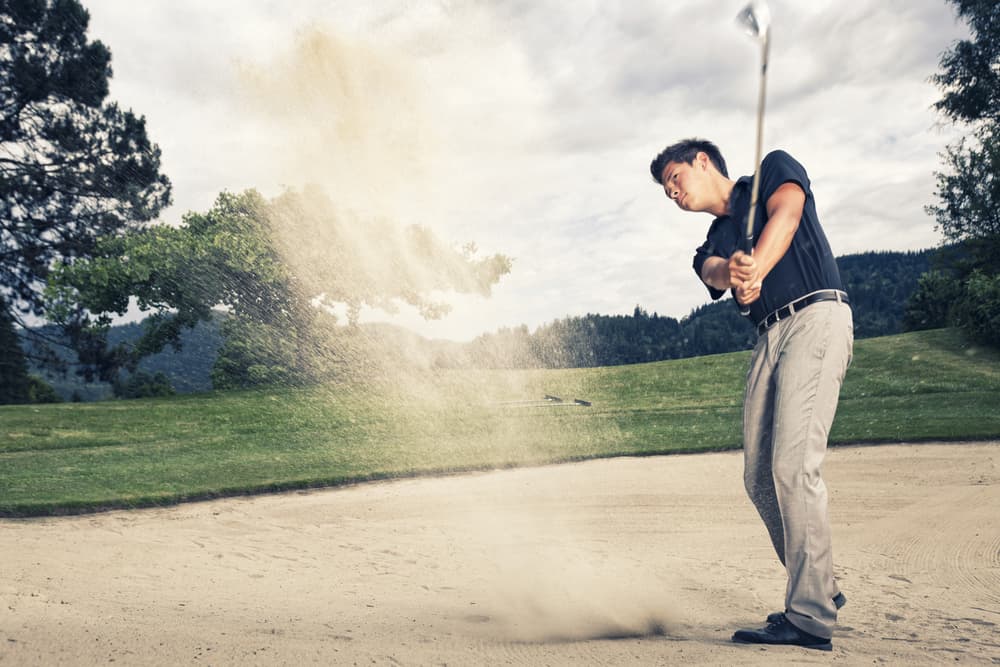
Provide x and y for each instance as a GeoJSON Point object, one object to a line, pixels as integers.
{"type": "Point", "coordinates": [274, 266]}
{"type": "Point", "coordinates": [73, 167]}
{"type": "Point", "coordinates": [968, 190]}
{"type": "Point", "coordinates": [932, 305]}
{"type": "Point", "coordinates": [969, 194]}
{"type": "Point", "coordinates": [179, 273]}
{"type": "Point", "coordinates": [142, 385]}
{"type": "Point", "coordinates": [979, 313]}
{"type": "Point", "coordinates": [970, 77]}
{"type": "Point", "coordinates": [40, 391]}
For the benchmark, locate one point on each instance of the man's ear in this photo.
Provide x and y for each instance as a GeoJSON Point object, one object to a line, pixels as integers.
{"type": "Point", "coordinates": [702, 160]}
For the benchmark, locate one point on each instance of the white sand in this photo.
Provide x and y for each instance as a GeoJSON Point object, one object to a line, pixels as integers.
{"type": "Point", "coordinates": [634, 560]}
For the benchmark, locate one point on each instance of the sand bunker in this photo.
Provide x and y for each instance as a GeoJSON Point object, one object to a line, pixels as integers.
{"type": "Point", "coordinates": [633, 560]}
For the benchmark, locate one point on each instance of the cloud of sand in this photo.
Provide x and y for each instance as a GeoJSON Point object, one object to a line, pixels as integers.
{"type": "Point", "coordinates": [564, 593]}
{"type": "Point", "coordinates": [346, 115]}
{"type": "Point", "coordinates": [554, 578]}
{"type": "Point", "coordinates": [356, 119]}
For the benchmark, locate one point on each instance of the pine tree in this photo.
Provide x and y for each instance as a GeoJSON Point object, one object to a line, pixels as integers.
{"type": "Point", "coordinates": [73, 167]}
{"type": "Point", "coordinates": [14, 381]}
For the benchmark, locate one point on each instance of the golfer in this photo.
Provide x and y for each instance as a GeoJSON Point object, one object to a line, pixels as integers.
{"type": "Point", "coordinates": [792, 289]}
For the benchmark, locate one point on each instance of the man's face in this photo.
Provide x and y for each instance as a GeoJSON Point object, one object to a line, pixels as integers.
{"type": "Point", "coordinates": [686, 184]}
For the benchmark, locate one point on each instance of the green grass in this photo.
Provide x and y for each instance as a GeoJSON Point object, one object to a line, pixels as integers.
{"type": "Point", "coordinates": [82, 457]}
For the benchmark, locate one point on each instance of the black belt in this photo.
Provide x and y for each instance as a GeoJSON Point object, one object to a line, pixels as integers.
{"type": "Point", "coordinates": [795, 306]}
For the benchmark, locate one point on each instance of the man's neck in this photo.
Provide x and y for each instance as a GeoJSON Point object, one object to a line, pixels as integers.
{"type": "Point", "coordinates": [724, 190]}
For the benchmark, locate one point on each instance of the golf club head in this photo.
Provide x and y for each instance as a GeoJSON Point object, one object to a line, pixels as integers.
{"type": "Point", "coordinates": [755, 19]}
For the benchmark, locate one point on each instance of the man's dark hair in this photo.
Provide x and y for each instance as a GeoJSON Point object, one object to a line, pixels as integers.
{"type": "Point", "coordinates": [685, 151]}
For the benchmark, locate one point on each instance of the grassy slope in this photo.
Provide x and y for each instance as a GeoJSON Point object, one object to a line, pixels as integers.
{"type": "Point", "coordinates": [71, 457]}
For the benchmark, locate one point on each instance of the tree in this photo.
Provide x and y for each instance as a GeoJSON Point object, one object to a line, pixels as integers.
{"type": "Point", "coordinates": [968, 190]}
{"type": "Point", "coordinates": [73, 167]}
{"type": "Point", "coordinates": [932, 304]}
{"type": "Point", "coordinates": [16, 385]}
{"type": "Point", "coordinates": [142, 385]}
{"type": "Point", "coordinates": [968, 211]}
{"type": "Point", "coordinates": [274, 266]}
{"type": "Point", "coordinates": [14, 381]}
{"type": "Point", "coordinates": [979, 313]}
{"type": "Point", "coordinates": [970, 71]}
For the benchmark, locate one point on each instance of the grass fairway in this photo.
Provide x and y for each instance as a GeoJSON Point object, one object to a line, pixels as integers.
{"type": "Point", "coordinates": [79, 457]}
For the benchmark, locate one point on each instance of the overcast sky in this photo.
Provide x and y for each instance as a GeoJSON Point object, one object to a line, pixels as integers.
{"type": "Point", "coordinates": [527, 127]}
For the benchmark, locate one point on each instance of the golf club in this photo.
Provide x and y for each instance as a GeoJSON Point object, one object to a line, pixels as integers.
{"type": "Point", "coordinates": [755, 19]}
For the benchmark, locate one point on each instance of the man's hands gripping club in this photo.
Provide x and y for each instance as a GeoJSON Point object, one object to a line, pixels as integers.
{"type": "Point", "coordinates": [744, 272]}
{"type": "Point", "coordinates": [744, 277]}
{"type": "Point", "coordinates": [740, 272]}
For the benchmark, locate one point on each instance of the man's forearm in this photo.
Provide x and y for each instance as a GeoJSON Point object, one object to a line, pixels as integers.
{"type": "Point", "coordinates": [715, 273]}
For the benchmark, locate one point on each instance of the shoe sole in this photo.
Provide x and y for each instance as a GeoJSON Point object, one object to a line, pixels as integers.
{"type": "Point", "coordinates": [828, 646]}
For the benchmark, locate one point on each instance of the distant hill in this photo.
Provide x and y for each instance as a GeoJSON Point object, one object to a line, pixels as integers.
{"type": "Point", "coordinates": [879, 284]}
{"type": "Point", "coordinates": [188, 368]}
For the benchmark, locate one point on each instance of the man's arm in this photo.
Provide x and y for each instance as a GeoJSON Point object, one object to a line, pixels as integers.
{"type": "Point", "coordinates": [784, 212]}
{"type": "Point", "coordinates": [715, 272]}
{"type": "Point", "coordinates": [746, 273]}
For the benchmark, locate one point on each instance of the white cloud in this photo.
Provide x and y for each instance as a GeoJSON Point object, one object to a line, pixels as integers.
{"type": "Point", "coordinates": [528, 127]}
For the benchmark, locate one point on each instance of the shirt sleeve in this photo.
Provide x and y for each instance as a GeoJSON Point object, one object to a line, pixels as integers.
{"type": "Point", "coordinates": [710, 248]}
{"type": "Point", "coordinates": [778, 168]}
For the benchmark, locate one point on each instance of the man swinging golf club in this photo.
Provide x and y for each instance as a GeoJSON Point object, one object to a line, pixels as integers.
{"type": "Point", "coordinates": [788, 284]}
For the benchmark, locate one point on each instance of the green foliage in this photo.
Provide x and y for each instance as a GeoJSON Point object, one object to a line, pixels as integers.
{"type": "Point", "coordinates": [979, 311]}
{"type": "Point", "coordinates": [40, 391]}
{"type": "Point", "coordinates": [258, 354]}
{"type": "Point", "coordinates": [187, 369]}
{"type": "Point", "coordinates": [969, 193]}
{"type": "Point", "coordinates": [143, 385]}
{"type": "Point", "coordinates": [970, 71]}
{"type": "Point", "coordinates": [968, 190]}
{"type": "Point", "coordinates": [879, 285]}
{"type": "Point", "coordinates": [16, 384]}
{"type": "Point", "coordinates": [932, 305]}
{"type": "Point", "coordinates": [14, 380]}
{"type": "Point", "coordinates": [273, 266]}
{"type": "Point", "coordinates": [74, 168]}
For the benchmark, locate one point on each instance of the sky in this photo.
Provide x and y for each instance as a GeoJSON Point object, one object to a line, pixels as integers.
{"type": "Point", "coordinates": [527, 127]}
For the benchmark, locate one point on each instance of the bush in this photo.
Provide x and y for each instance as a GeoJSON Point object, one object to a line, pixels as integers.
{"type": "Point", "coordinates": [933, 304]}
{"type": "Point", "coordinates": [40, 391]}
{"type": "Point", "coordinates": [142, 385]}
{"type": "Point", "coordinates": [979, 312]}
{"type": "Point", "coordinates": [255, 354]}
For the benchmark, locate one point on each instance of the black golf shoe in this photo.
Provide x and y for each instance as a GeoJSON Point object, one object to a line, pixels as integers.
{"type": "Point", "coordinates": [782, 633]}
{"type": "Point", "coordinates": [839, 600]}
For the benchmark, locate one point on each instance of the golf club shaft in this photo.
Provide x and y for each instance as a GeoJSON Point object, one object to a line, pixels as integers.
{"type": "Point", "coordinates": [748, 235]}
{"type": "Point", "coordinates": [755, 187]}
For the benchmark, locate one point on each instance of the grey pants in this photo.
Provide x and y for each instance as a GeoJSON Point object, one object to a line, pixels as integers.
{"type": "Point", "coordinates": [792, 389]}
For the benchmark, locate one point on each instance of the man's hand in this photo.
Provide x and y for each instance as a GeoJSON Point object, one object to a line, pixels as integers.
{"type": "Point", "coordinates": [744, 277]}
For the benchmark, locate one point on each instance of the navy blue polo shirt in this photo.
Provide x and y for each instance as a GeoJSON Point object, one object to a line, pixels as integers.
{"type": "Point", "coordinates": [806, 267]}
